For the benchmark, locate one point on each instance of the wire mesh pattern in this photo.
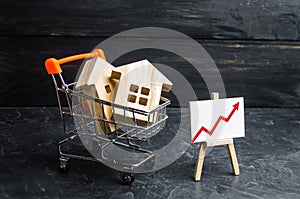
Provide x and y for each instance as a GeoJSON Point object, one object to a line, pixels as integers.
{"type": "Point", "coordinates": [86, 113]}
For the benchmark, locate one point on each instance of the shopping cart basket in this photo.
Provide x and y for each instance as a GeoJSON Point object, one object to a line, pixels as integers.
{"type": "Point", "coordinates": [84, 118]}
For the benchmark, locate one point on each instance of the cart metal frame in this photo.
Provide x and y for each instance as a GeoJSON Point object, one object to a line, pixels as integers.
{"type": "Point", "coordinates": [127, 129]}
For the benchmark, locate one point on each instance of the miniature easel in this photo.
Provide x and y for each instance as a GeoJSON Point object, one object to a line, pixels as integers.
{"type": "Point", "coordinates": [204, 145]}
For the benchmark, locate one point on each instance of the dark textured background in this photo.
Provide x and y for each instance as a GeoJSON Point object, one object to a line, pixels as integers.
{"type": "Point", "coordinates": [255, 44]}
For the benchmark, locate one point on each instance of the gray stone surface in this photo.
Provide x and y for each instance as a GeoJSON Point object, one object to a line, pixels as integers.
{"type": "Point", "coordinates": [269, 158]}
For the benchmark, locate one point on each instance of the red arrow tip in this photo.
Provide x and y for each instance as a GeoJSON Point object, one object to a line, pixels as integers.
{"type": "Point", "coordinates": [236, 106]}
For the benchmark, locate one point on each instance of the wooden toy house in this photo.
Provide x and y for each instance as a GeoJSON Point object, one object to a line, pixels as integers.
{"type": "Point", "coordinates": [140, 86]}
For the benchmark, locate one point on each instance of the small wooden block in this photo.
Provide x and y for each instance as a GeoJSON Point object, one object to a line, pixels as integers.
{"type": "Point", "coordinates": [214, 95]}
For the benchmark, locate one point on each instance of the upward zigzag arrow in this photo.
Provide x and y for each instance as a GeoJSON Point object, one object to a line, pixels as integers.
{"type": "Point", "coordinates": [210, 132]}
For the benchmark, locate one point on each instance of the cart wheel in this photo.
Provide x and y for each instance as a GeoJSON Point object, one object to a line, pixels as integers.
{"type": "Point", "coordinates": [127, 178]}
{"type": "Point", "coordinates": [64, 164]}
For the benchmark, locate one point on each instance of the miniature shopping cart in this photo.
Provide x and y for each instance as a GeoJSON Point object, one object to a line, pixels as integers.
{"type": "Point", "coordinates": [75, 108]}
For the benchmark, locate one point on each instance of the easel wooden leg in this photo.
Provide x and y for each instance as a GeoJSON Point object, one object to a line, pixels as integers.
{"type": "Point", "coordinates": [199, 163]}
{"type": "Point", "coordinates": [233, 158]}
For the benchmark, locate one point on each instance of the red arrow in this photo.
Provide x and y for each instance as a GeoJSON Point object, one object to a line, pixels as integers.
{"type": "Point", "coordinates": [210, 132]}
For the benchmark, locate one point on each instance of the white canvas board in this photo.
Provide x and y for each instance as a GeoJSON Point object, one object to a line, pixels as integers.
{"type": "Point", "coordinates": [213, 120]}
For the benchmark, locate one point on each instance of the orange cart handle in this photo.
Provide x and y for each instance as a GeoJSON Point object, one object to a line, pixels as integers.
{"type": "Point", "coordinates": [53, 65]}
